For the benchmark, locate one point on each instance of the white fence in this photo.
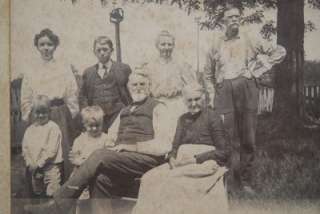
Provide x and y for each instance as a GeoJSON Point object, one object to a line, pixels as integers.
{"type": "Point", "coordinates": [266, 96]}
{"type": "Point", "coordinates": [265, 99]}
{"type": "Point", "coordinates": [311, 92]}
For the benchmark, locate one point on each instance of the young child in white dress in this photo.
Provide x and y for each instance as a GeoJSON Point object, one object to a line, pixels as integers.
{"type": "Point", "coordinates": [90, 140]}
{"type": "Point", "coordinates": [42, 150]}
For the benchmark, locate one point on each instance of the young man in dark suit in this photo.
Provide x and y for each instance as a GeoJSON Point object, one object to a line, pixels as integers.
{"type": "Point", "coordinates": [105, 83]}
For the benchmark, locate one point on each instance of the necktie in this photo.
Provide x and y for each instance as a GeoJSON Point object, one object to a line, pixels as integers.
{"type": "Point", "coordinates": [102, 71]}
{"type": "Point", "coordinates": [105, 68]}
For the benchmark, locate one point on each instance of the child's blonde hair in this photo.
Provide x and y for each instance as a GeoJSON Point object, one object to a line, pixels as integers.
{"type": "Point", "coordinates": [92, 114]}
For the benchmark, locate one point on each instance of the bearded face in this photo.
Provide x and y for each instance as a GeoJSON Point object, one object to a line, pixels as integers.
{"type": "Point", "coordinates": [232, 22]}
{"type": "Point", "coordinates": [139, 87]}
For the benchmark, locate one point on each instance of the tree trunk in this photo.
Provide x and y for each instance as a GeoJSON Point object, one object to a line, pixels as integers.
{"type": "Point", "coordinates": [289, 98]}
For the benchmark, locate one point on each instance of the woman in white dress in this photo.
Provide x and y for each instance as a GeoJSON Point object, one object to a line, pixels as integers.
{"type": "Point", "coordinates": [47, 76]}
{"type": "Point", "coordinates": [168, 77]}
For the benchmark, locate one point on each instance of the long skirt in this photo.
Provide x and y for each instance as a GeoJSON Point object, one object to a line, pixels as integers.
{"type": "Point", "coordinates": [62, 117]}
{"type": "Point", "coordinates": [190, 189]}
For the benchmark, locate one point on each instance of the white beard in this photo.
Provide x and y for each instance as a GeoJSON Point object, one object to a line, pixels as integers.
{"type": "Point", "coordinates": [195, 110]}
{"type": "Point", "coordinates": [137, 97]}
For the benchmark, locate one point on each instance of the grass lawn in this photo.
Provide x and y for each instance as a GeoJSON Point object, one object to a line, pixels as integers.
{"type": "Point", "coordinates": [286, 174]}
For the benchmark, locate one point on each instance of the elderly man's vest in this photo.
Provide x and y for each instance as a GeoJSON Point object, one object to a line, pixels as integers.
{"type": "Point", "coordinates": [137, 125]}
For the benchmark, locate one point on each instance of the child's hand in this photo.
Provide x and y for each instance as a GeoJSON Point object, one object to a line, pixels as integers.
{"type": "Point", "coordinates": [77, 162]}
{"type": "Point", "coordinates": [110, 145]}
{"type": "Point", "coordinates": [74, 157]}
{"type": "Point", "coordinates": [32, 167]}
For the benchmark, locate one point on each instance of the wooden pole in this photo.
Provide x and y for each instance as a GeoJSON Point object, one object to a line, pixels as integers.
{"type": "Point", "coordinates": [118, 44]}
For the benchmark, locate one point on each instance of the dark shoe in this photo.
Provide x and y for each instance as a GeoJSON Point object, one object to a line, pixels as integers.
{"type": "Point", "coordinates": [49, 207]}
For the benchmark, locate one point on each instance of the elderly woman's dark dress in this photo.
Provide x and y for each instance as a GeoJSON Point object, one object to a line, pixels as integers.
{"type": "Point", "coordinates": [193, 188]}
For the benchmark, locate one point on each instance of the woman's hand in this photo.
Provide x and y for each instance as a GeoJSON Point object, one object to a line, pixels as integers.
{"type": "Point", "coordinates": [182, 161]}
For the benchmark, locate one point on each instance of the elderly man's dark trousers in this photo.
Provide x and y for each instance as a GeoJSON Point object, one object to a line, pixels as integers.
{"type": "Point", "coordinates": [105, 171]}
{"type": "Point", "coordinates": [237, 102]}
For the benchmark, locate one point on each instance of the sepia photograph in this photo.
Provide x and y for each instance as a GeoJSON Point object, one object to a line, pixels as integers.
{"type": "Point", "coordinates": [163, 106]}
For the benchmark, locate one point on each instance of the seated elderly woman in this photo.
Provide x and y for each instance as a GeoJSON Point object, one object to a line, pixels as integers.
{"type": "Point", "coordinates": [192, 180]}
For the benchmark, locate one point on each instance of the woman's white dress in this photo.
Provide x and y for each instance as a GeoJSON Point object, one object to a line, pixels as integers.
{"type": "Point", "coordinates": [167, 82]}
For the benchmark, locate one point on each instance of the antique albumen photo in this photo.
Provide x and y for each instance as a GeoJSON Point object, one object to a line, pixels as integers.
{"type": "Point", "coordinates": [164, 106]}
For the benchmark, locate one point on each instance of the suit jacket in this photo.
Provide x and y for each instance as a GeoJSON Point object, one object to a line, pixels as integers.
{"type": "Point", "coordinates": [121, 72]}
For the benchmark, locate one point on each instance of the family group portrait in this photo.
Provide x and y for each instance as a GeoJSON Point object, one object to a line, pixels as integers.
{"type": "Point", "coordinates": [165, 106]}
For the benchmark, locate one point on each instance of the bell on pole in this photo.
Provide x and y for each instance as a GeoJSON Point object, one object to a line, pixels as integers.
{"type": "Point", "coordinates": [116, 16]}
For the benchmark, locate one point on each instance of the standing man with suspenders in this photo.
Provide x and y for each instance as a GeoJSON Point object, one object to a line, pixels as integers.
{"type": "Point", "coordinates": [232, 66]}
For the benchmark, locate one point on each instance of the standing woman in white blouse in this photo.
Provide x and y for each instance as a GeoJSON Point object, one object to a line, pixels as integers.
{"type": "Point", "coordinates": [168, 77]}
{"type": "Point", "coordinates": [46, 76]}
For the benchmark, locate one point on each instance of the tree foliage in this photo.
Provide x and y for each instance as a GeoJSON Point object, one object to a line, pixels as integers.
{"type": "Point", "coordinates": [215, 8]}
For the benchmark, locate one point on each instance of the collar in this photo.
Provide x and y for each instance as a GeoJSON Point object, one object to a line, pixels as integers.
{"type": "Point", "coordinates": [194, 116]}
{"type": "Point", "coordinates": [108, 65]}
{"type": "Point", "coordinates": [225, 38]}
{"type": "Point", "coordinates": [164, 61]}
{"type": "Point", "coordinates": [138, 103]}
{"type": "Point", "coordinates": [240, 35]}
{"type": "Point", "coordinates": [52, 61]}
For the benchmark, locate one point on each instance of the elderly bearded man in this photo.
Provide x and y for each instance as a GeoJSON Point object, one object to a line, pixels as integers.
{"type": "Point", "coordinates": [233, 63]}
{"type": "Point", "coordinates": [140, 138]}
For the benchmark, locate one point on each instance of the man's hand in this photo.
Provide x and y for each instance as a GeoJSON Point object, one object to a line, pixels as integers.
{"type": "Point", "coordinates": [211, 100]}
{"type": "Point", "coordinates": [173, 163]}
{"type": "Point", "coordinates": [124, 147]}
{"type": "Point", "coordinates": [259, 66]}
{"type": "Point", "coordinates": [264, 61]}
{"type": "Point", "coordinates": [74, 70]}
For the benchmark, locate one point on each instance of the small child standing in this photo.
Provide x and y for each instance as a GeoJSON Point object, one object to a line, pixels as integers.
{"type": "Point", "coordinates": [89, 141]}
{"type": "Point", "coordinates": [42, 151]}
